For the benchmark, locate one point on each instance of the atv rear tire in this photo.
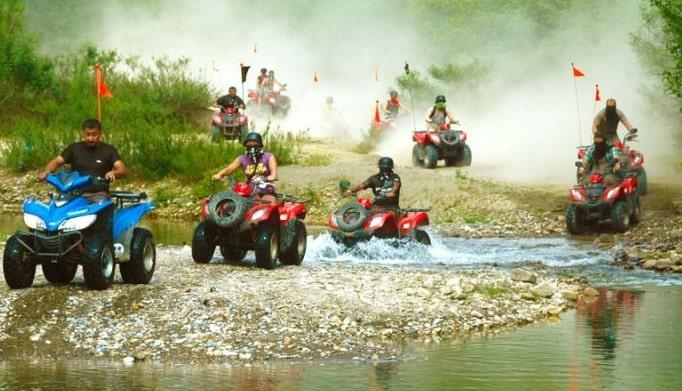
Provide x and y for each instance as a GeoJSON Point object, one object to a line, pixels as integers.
{"type": "Point", "coordinates": [267, 247]}
{"type": "Point", "coordinates": [357, 211]}
{"type": "Point", "coordinates": [140, 268]}
{"type": "Point", "coordinates": [431, 156]}
{"type": "Point", "coordinates": [642, 183]}
{"type": "Point", "coordinates": [465, 157]}
{"type": "Point", "coordinates": [620, 218]}
{"type": "Point", "coordinates": [450, 138]}
{"type": "Point", "coordinates": [422, 237]}
{"type": "Point", "coordinates": [18, 264]}
{"type": "Point", "coordinates": [226, 209]}
{"type": "Point", "coordinates": [203, 242]}
{"type": "Point", "coordinates": [418, 154]}
{"type": "Point", "coordinates": [574, 224]}
{"type": "Point", "coordinates": [232, 254]}
{"type": "Point", "coordinates": [296, 252]}
{"type": "Point", "coordinates": [98, 262]}
{"type": "Point", "coordinates": [61, 272]}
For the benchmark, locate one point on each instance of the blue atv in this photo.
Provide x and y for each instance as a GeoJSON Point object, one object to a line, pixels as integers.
{"type": "Point", "coordinates": [71, 231]}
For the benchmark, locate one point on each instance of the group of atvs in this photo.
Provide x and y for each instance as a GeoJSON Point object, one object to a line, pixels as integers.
{"type": "Point", "coordinates": [70, 230]}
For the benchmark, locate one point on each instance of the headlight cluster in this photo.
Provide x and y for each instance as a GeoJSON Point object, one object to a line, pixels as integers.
{"type": "Point", "coordinates": [77, 223]}
{"type": "Point", "coordinates": [34, 222]}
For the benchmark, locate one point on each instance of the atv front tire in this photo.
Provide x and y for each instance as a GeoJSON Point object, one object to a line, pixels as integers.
{"type": "Point", "coordinates": [296, 252]}
{"type": "Point", "coordinates": [620, 218]}
{"type": "Point", "coordinates": [422, 237]}
{"type": "Point", "coordinates": [18, 264]}
{"type": "Point", "coordinates": [465, 156]}
{"type": "Point", "coordinates": [418, 154]}
{"type": "Point", "coordinates": [267, 247]}
{"type": "Point", "coordinates": [431, 156]}
{"type": "Point", "coordinates": [573, 220]}
{"type": "Point", "coordinates": [98, 262]}
{"type": "Point", "coordinates": [203, 242]}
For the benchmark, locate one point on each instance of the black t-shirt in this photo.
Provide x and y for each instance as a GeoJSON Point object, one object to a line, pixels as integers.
{"type": "Point", "coordinates": [227, 100]}
{"type": "Point", "coordinates": [382, 184]}
{"type": "Point", "coordinates": [95, 161]}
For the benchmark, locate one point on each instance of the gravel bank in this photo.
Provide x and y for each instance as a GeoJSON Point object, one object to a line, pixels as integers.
{"type": "Point", "coordinates": [219, 312]}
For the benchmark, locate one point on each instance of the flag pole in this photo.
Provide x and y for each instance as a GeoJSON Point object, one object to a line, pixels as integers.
{"type": "Point", "coordinates": [577, 106]}
{"type": "Point", "coordinates": [409, 92]}
{"type": "Point", "coordinates": [596, 92]}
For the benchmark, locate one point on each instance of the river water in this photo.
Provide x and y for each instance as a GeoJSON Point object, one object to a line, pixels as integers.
{"type": "Point", "coordinates": [628, 339]}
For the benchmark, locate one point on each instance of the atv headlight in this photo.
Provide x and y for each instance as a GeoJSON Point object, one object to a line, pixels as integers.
{"type": "Point", "coordinates": [376, 222]}
{"type": "Point", "coordinates": [34, 222]}
{"type": "Point", "coordinates": [77, 223]}
{"type": "Point", "coordinates": [611, 194]}
{"type": "Point", "coordinates": [257, 214]}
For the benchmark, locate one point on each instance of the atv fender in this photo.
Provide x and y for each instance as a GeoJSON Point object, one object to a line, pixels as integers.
{"type": "Point", "coordinates": [434, 138]}
{"type": "Point", "coordinates": [412, 220]}
{"type": "Point", "coordinates": [53, 216]}
{"type": "Point", "coordinates": [130, 216]}
{"type": "Point", "coordinates": [420, 138]}
{"type": "Point", "coordinates": [290, 211]}
{"type": "Point", "coordinates": [379, 220]}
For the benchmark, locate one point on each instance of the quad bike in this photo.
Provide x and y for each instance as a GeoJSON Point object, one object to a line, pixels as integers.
{"type": "Point", "coordinates": [597, 202]}
{"type": "Point", "coordinates": [229, 124]}
{"type": "Point", "coordinates": [632, 161]}
{"type": "Point", "coordinates": [271, 100]}
{"type": "Point", "coordinates": [237, 221]}
{"type": "Point", "coordinates": [360, 220]}
{"type": "Point", "coordinates": [440, 143]}
{"type": "Point", "coordinates": [70, 231]}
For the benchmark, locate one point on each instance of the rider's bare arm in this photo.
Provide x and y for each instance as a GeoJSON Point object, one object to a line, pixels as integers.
{"type": "Point", "coordinates": [51, 167]}
{"type": "Point", "coordinates": [272, 163]}
{"type": "Point", "coordinates": [119, 171]}
{"type": "Point", "coordinates": [451, 117]}
{"type": "Point", "coordinates": [429, 114]}
{"type": "Point", "coordinates": [625, 121]}
{"type": "Point", "coordinates": [394, 189]}
{"type": "Point", "coordinates": [227, 170]}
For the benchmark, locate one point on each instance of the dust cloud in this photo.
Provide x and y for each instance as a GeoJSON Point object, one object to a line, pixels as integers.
{"type": "Point", "coordinates": [522, 123]}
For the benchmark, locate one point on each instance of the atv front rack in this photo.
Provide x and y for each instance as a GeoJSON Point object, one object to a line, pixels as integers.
{"type": "Point", "coordinates": [54, 245]}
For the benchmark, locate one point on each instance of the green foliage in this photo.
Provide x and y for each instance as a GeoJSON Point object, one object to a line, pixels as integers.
{"type": "Point", "coordinates": [476, 218]}
{"type": "Point", "coordinates": [670, 14]}
{"type": "Point", "coordinates": [317, 160]}
{"type": "Point", "coordinates": [365, 145]}
{"type": "Point", "coordinates": [493, 291]}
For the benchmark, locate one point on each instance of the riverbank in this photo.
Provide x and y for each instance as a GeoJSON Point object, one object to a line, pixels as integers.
{"type": "Point", "coordinates": [217, 312]}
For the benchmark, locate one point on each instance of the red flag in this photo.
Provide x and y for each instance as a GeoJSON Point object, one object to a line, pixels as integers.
{"type": "Point", "coordinates": [597, 95]}
{"type": "Point", "coordinates": [577, 72]}
{"type": "Point", "coordinates": [102, 89]}
{"type": "Point", "coordinates": [377, 113]}
{"type": "Point", "coordinates": [315, 78]}
{"type": "Point", "coordinates": [255, 48]}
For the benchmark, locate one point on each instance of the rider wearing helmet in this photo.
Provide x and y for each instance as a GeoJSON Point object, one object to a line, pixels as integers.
{"type": "Point", "coordinates": [260, 83]}
{"type": "Point", "coordinates": [439, 114]}
{"type": "Point", "coordinates": [393, 105]}
{"type": "Point", "coordinates": [260, 167]}
{"type": "Point", "coordinates": [385, 185]}
{"type": "Point", "coordinates": [601, 158]}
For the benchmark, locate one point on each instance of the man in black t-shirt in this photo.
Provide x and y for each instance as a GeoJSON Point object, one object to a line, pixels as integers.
{"type": "Point", "coordinates": [231, 99]}
{"type": "Point", "coordinates": [90, 156]}
{"type": "Point", "coordinates": [385, 185]}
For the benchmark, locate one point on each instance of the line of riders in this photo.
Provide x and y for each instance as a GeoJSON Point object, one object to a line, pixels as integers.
{"type": "Point", "coordinates": [87, 224]}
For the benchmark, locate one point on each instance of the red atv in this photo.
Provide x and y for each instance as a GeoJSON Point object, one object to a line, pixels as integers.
{"type": "Point", "coordinates": [597, 202]}
{"type": "Point", "coordinates": [439, 143]}
{"type": "Point", "coordinates": [236, 221]}
{"type": "Point", "coordinates": [632, 161]}
{"type": "Point", "coordinates": [229, 124]}
{"type": "Point", "coordinates": [359, 220]}
{"type": "Point", "coordinates": [277, 103]}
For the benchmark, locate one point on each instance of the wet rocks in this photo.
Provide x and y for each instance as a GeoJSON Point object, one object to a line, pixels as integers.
{"type": "Point", "coordinates": [543, 290]}
{"type": "Point", "coordinates": [570, 295]}
{"type": "Point", "coordinates": [523, 275]}
{"type": "Point", "coordinates": [590, 292]}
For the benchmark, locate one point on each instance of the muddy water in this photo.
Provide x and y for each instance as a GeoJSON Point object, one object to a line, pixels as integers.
{"type": "Point", "coordinates": [627, 339]}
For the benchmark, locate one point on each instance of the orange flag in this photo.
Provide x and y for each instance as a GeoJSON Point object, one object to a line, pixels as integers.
{"type": "Point", "coordinates": [102, 89]}
{"type": "Point", "coordinates": [377, 113]}
{"type": "Point", "coordinates": [315, 78]}
{"type": "Point", "coordinates": [577, 72]}
{"type": "Point", "coordinates": [597, 95]}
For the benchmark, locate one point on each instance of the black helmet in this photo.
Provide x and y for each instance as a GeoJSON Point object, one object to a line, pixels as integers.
{"type": "Point", "coordinates": [394, 93]}
{"type": "Point", "coordinates": [440, 98]}
{"type": "Point", "coordinates": [385, 162]}
{"type": "Point", "coordinates": [253, 136]}
{"type": "Point", "coordinates": [263, 70]}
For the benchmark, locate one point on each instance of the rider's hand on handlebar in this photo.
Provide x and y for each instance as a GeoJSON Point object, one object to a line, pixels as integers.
{"type": "Point", "coordinates": [41, 176]}
{"type": "Point", "coordinates": [110, 176]}
{"type": "Point", "coordinates": [217, 177]}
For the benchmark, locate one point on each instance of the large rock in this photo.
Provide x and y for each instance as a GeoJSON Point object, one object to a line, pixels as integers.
{"type": "Point", "coordinates": [523, 275]}
{"type": "Point", "coordinates": [543, 290]}
{"type": "Point", "coordinates": [664, 264]}
{"type": "Point", "coordinates": [553, 310]}
{"type": "Point", "coordinates": [569, 295]}
{"type": "Point", "coordinates": [648, 264]}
